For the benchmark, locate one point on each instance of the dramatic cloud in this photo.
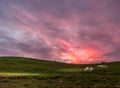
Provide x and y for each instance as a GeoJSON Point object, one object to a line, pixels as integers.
{"type": "Point", "coordinates": [71, 31]}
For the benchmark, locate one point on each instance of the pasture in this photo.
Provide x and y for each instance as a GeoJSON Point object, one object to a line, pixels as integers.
{"type": "Point", "coordinates": [18, 72]}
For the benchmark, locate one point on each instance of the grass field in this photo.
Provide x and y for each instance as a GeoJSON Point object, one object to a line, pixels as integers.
{"type": "Point", "coordinates": [17, 72]}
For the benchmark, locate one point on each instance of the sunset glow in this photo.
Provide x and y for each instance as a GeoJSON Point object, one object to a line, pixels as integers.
{"type": "Point", "coordinates": [77, 56]}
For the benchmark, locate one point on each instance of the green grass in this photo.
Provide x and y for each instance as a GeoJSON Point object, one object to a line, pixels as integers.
{"type": "Point", "coordinates": [17, 72]}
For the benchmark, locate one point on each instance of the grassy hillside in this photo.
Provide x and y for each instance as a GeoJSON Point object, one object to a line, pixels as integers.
{"type": "Point", "coordinates": [17, 72]}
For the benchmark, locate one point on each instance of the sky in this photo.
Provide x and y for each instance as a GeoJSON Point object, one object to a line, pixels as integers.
{"type": "Point", "coordinates": [70, 31]}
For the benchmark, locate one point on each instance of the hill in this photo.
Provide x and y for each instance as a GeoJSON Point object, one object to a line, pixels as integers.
{"type": "Point", "coordinates": [18, 72]}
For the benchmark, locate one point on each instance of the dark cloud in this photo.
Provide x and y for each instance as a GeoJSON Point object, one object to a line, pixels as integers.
{"type": "Point", "coordinates": [113, 55]}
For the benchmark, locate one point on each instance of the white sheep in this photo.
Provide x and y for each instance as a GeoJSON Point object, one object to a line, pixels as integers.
{"type": "Point", "coordinates": [89, 69]}
{"type": "Point", "coordinates": [102, 66]}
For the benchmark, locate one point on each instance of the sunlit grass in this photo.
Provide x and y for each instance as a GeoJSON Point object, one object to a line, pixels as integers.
{"type": "Point", "coordinates": [8, 74]}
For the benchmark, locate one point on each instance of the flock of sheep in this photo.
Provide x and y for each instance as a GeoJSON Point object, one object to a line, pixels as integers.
{"type": "Point", "coordinates": [92, 68]}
